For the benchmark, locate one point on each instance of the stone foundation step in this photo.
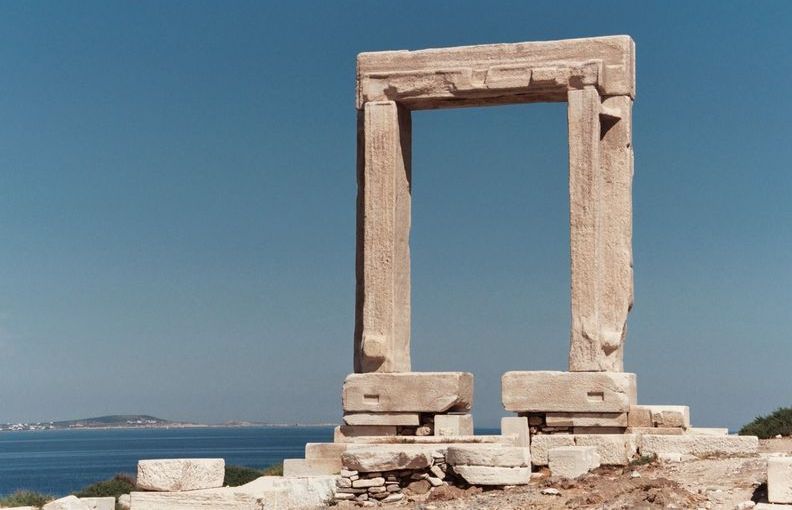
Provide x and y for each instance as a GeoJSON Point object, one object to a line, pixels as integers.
{"type": "Point", "coordinates": [487, 455]}
{"type": "Point", "coordinates": [488, 475]}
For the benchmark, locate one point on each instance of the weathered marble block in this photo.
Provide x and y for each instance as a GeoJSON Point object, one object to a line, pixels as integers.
{"type": "Point", "coordinates": [779, 479]}
{"type": "Point", "coordinates": [453, 425]}
{"type": "Point", "coordinates": [180, 474]}
{"type": "Point", "coordinates": [568, 392]}
{"type": "Point", "coordinates": [428, 392]}
{"type": "Point", "coordinates": [573, 461]}
{"type": "Point", "coordinates": [383, 419]}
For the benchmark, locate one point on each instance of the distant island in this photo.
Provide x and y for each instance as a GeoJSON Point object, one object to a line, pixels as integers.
{"type": "Point", "coordinates": [130, 421]}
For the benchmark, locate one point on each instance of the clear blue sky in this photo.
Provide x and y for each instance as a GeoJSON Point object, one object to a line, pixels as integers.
{"type": "Point", "coordinates": [177, 200]}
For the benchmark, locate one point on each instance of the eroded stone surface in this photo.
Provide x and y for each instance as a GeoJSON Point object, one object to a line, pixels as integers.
{"type": "Point", "coordinates": [779, 479]}
{"type": "Point", "coordinates": [453, 425]}
{"type": "Point", "coordinates": [698, 445]}
{"type": "Point", "coordinates": [108, 503]}
{"type": "Point", "coordinates": [383, 419]}
{"type": "Point", "coordinates": [487, 475]}
{"type": "Point", "coordinates": [180, 474]}
{"type": "Point", "coordinates": [542, 443]}
{"type": "Point", "coordinates": [379, 458]}
{"type": "Point", "coordinates": [67, 503]}
{"type": "Point", "coordinates": [497, 73]}
{"type": "Point", "coordinates": [572, 461]}
{"type": "Point", "coordinates": [488, 455]}
{"type": "Point", "coordinates": [429, 392]}
{"type": "Point", "coordinates": [570, 392]}
{"type": "Point", "coordinates": [311, 467]}
{"type": "Point", "coordinates": [586, 420]}
{"type": "Point", "coordinates": [348, 433]}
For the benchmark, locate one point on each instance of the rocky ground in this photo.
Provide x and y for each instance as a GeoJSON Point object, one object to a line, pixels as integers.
{"type": "Point", "coordinates": [713, 483]}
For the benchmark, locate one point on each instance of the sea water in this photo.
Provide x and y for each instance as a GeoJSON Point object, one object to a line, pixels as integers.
{"type": "Point", "coordinates": [59, 462]}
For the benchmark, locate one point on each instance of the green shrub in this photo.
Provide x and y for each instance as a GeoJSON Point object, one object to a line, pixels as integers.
{"type": "Point", "coordinates": [25, 498]}
{"type": "Point", "coordinates": [274, 470]}
{"type": "Point", "coordinates": [779, 422]}
{"type": "Point", "coordinates": [116, 486]}
{"type": "Point", "coordinates": [240, 475]}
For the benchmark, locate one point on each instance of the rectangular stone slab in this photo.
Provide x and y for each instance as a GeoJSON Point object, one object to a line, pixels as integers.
{"type": "Point", "coordinates": [397, 419]}
{"type": "Point", "coordinates": [568, 392]}
{"type": "Point", "coordinates": [698, 446]}
{"type": "Point", "coordinates": [493, 73]}
{"type": "Point", "coordinates": [779, 479]}
{"type": "Point", "coordinates": [427, 392]}
{"type": "Point", "coordinates": [586, 419]}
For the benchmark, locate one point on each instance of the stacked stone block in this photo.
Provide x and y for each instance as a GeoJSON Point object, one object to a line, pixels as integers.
{"type": "Point", "coordinates": [381, 474]}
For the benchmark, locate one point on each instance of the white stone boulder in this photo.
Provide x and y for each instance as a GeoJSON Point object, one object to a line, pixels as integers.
{"type": "Point", "coordinates": [542, 443]}
{"type": "Point", "coordinates": [573, 461]}
{"type": "Point", "coordinates": [488, 475]}
{"type": "Point", "coordinates": [779, 479]}
{"type": "Point", "coordinates": [377, 458]}
{"type": "Point", "coordinates": [488, 455]}
{"type": "Point", "coordinates": [67, 503]}
{"type": "Point", "coordinates": [180, 474]}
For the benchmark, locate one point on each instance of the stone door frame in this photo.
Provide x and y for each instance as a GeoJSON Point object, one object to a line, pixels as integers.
{"type": "Point", "coordinates": [596, 77]}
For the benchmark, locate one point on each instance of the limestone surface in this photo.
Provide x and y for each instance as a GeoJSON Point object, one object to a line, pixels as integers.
{"type": "Point", "coordinates": [311, 467]}
{"type": "Point", "coordinates": [586, 419]}
{"type": "Point", "coordinates": [383, 419]}
{"type": "Point", "coordinates": [487, 475]}
{"type": "Point", "coordinates": [378, 458]}
{"type": "Point", "coordinates": [107, 503]}
{"type": "Point", "coordinates": [516, 426]}
{"type": "Point", "coordinates": [348, 433]}
{"type": "Point", "coordinates": [572, 461]}
{"type": "Point", "coordinates": [488, 455]}
{"type": "Point", "coordinates": [697, 445]}
{"type": "Point", "coordinates": [67, 503]}
{"type": "Point", "coordinates": [180, 474]}
{"type": "Point", "coordinates": [779, 479]}
{"type": "Point", "coordinates": [453, 425]}
{"type": "Point", "coordinates": [429, 392]}
{"type": "Point", "coordinates": [569, 392]}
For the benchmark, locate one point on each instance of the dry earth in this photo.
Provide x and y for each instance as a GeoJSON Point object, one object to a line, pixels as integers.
{"type": "Point", "coordinates": [713, 483]}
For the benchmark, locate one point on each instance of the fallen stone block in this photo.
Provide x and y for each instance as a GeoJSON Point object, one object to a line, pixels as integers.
{"type": "Point", "coordinates": [779, 479]}
{"type": "Point", "coordinates": [487, 475]}
{"type": "Point", "coordinates": [486, 455]}
{"type": "Point", "coordinates": [568, 392]}
{"type": "Point", "coordinates": [67, 503]}
{"type": "Point", "coordinates": [517, 427]}
{"type": "Point", "coordinates": [428, 392]}
{"type": "Point", "coordinates": [573, 461]}
{"type": "Point", "coordinates": [698, 445]}
{"type": "Point", "coordinates": [108, 503]}
{"type": "Point", "coordinates": [542, 443]}
{"type": "Point", "coordinates": [180, 474]}
{"type": "Point", "coordinates": [378, 458]}
{"type": "Point", "coordinates": [608, 420]}
{"type": "Point", "coordinates": [274, 492]}
{"type": "Point", "coordinates": [453, 425]}
{"type": "Point", "coordinates": [707, 431]}
{"type": "Point", "coordinates": [613, 449]}
{"type": "Point", "coordinates": [311, 467]}
{"type": "Point", "coordinates": [386, 419]}
{"type": "Point", "coordinates": [348, 433]}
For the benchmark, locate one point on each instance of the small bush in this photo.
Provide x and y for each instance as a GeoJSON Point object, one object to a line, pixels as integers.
{"type": "Point", "coordinates": [25, 498]}
{"type": "Point", "coordinates": [274, 470]}
{"type": "Point", "coordinates": [116, 486]}
{"type": "Point", "coordinates": [240, 475]}
{"type": "Point", "coordinates": [765, 427]}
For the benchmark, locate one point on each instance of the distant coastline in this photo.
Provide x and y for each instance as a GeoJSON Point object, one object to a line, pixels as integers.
{"type": "Point", "coordinates": [140, 422]}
